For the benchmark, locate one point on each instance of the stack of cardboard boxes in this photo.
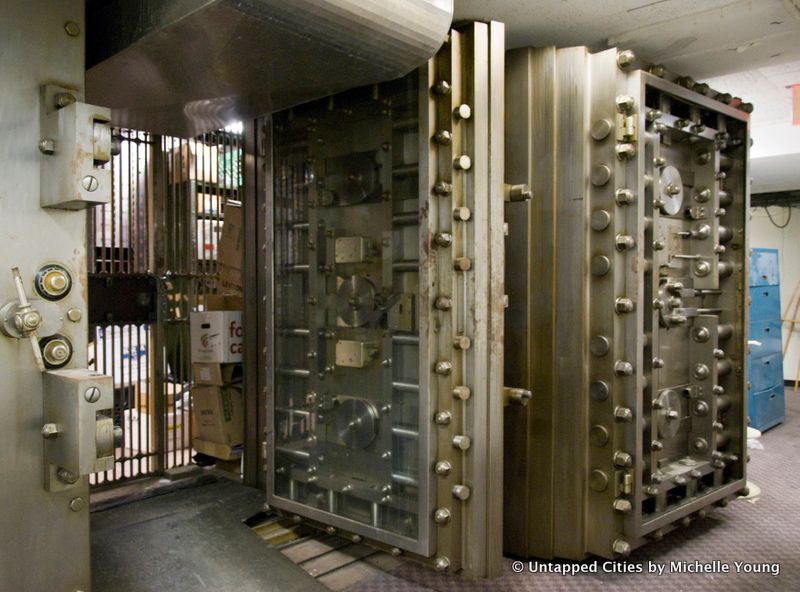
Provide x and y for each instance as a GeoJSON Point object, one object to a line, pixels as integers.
{"type": "Point", "coordinates": [217, 337]}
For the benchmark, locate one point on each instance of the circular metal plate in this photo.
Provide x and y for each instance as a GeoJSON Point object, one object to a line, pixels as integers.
{"type": "Point", "coordinates": [357, 179]}
{"type": "Point", "coordinates": [356, 422]}
{"type": "Point", "coordinates": [669, 401]}
{"type": "Point", "coordinates": [355, 300]}
{"type": "Point", "coordinates": [671, 190]}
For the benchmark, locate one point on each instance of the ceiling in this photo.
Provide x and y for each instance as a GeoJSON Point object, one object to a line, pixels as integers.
{"type": "Point", "coordinates": [748, 48]}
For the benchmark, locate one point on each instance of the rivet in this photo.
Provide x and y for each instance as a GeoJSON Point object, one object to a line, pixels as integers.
{"type": "Point", "coordinates": [443, 367]}
{"type": "Point", "coordinates": [600, 129]}
{"type": "Point", "coordinates": [443, 303]}
{"type": "Point", "coordinates": [441, 87]}
{"type": "Point", "coordinates": [462, 214]}
{"type": "Point", "coordinates": [598, 390]}
{"type": "Point", "coordinates": [461, 442]}
{"type": "Point", "coordinates": [624, 197]}
{"type": "Point", "coordinates": [77, 504]}
{"type": "Point", "coordinates": [601, 174]}
{"type": "Point", "coordinates": [442, 188]}
{"type": "Point", "coordinates": [462, 342]}
{"type": "Point", "coordinates": [598, 480]}
{"type": "Point", "coordinates": [623, 459]}
{"type": "Point", "coordinates": [443, 239]}
{"type": "Point", "coordinates": [601, 265]}
{"type": "Point", "coordinates": [441, 564]}
{"type": "Point", "coordinates": [621, 547]}
{"type": "Point", "coordinates": [598, 436]}
{"type": "Point", "coordinates": [462, 264]}
{"type": "Point", "coordinates": [441, 516]}
{"type": "Point", "coordinates": [461, 392]}
{"type": "Point", "coordinates": [463, 111]}
{"type": "Point", "coordinates": [443, 467]}
{"type": "Point", "coordinates": [462, 163]}
{"type": "Point", "coordinates": [443, 137]}
{"type": "Point", "coordinates": [599, 345]}
{"type": "Point", "coordinates": [625, 58]}
{"type": "Point", "coordinates": [600, 220]}
{"type": "Point", "coordinates": [461, 492]}
{"type": "Point", "coordinates": [443, 417]}
{"type": "Point", "coordinates": [72, 28]}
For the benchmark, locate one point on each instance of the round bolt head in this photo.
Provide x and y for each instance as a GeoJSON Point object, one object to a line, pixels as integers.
{"type": "Point", "coordinates": [72, 29]}
{"type": "Point", "coordinates": [701, 334]}
{"type": "Point", "coordinates": [598, 480]}
{"type": "Point", "coordinates": [461, 442]}
{"type": "Point", "coordinates": [441, 564]}
{"type": "Point", "coordinates": [330, 530]}
{"type": "Point", "coordinates": [442, 188]}
{"type": "Point", "coordinates": [462, 163]}
{"type": "Point", "coordinates": [443, 468]}
{"type": "Point", "coordinates": [600, 175]}
{"type": "Point", "coordinates": [700, 371]}
{"type": "Point", "coordinates": [463, 111]}
{"type": "Point", "coordinates": [443, 137]}
{"type": "Point", "coordinates": [443, 239]}
{"type": "Point", "coordinates": [49, 431]}
{"type": "Point", "coordinates": [396, 552]}
{"type": "Point", "coordinates": [598, 436]}
{"type": "Point", "coordinates": [462, 214]}
{"type": "Point", "coordinates": [77, 504]}
{"type": "Point", "coordinates": [47, 146]}
{"type": "Point", "coordinates": [658, 70]}
{"type": "Point", "coordinates": [441, 516]}
{"type": "Point", "coordinates": [356, 538]}
{"type": "Point", "coordinates": [441, 87]}
{"type": "Point", "coordinates": [462, 392]}
{"type": "Point", "coordinates": [599, 345]}
{"type": "Point", "coordinates": [443, 368]}
{"type": "Point", "coordinates": [443, 418]}
{"type": "Point", "coordinates": [443, 303]}
{"type": "Point", "coordinates": [600, 265]}
{"type": "Point", "coordinates": [461, 492]}
{"type": "Point", "coordinates": [620, 547]}
{"type": "Point", "coordinates": [90, 183]}
{"type": "Point", "coordinates": [92, 394]}
{"type": "Point", "coordinates": [598, 390]}
{"type": "Point", "coordinates": [624, 197]}
{"type": "Point", "coordinates": [625, 103]}
{"type": "Point", "coordinates": [700, 445]}
{"type": "Point", "coordinates": [622, 505]}
{"type": "Point", "coordinates": [623, 368]}
{"type": "Point", "coordinates": [600, 129]}
{"type": "Point", "coordinates": [462, 342]}
{"type": "Point", "coordinates": [623, 414]}
{"type": "Point", "coordinates": [623, 459]}
{"type": "Point", "coordinates": [462, 264]}
{"type": "Point", "coordinates": [600, 220]}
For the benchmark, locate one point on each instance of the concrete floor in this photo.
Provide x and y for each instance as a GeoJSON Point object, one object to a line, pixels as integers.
{"type": "Point", "coordinates": [188, 540]}
{"type": "Point", "coordinates": [192, 539]}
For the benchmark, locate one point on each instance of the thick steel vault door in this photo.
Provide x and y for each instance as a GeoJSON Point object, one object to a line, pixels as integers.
{"type": "Point", "coordinates": [384, 351]}
{"type": "Point", "coordinates": [627, 310]}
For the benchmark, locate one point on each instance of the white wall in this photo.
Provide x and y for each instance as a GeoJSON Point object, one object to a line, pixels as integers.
{"type": "Point", "coordinates": [764, 234]}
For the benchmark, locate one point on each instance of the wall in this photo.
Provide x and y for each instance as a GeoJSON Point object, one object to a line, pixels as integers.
{"type": "Point", "coordinates": [764, 234]}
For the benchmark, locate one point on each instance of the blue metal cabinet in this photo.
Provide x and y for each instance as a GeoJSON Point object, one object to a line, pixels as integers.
{"type": "Point", "coordinates": [765, 368]}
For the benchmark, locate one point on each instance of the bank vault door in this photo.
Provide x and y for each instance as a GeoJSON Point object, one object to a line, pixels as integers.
{"type": "Point", "coordinates": [386, 222]}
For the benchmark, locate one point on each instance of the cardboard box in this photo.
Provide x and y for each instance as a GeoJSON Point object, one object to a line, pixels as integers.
{"type": "Point", "coordinates": [139, 426]}
{"type": "Point", "coordinates": [208, 236]}
{"type": "Point", "coordinates": [229, 280]}
{"type": "Point", "coordinates": [220, 451]}
{"type": "Point", "coordinates": [216, 336]}
{"type": "Point", "coordinates": [216, 374]}
{"type": "Point", "coordinates": [231, 241]}
{"type": "Point", "coordinates": [194, 161]}
{"type": "Point", "coordinates": [218, 414]}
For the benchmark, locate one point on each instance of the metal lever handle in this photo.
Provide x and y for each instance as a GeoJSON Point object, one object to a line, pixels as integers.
{"type": "Point", "coordinates": [27, 319]}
